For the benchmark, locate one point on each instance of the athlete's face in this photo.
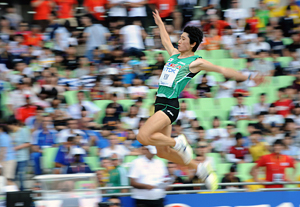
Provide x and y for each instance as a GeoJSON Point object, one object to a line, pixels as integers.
{"type": "Point", "coordinates": [184, 43]}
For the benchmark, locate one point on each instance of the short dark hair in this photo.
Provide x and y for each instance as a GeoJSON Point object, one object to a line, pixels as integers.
{"type": "Point", "coordinates": [195, 35]}
{"type": "Point", "coordinates": [281, 89]}
{"type": "Point", "coordinates": [278, 141]}
{"type": "Point", "coordinates": [200, 128]}
{"type": "Point", "coordinates": [70, 139]}
{"type": "Point", "coordinates": [238, 136]}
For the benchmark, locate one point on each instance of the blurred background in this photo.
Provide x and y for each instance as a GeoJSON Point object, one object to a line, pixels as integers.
{"type": "Point", "coordinates": [78, 79]}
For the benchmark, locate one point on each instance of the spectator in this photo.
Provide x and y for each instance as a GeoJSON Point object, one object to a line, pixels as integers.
{"type": "Point", "coordinates": [66, 11]}
{"type": "Point", "coordinates": [293, 67]}
{"type": "Point", "coordinates": [118, 175]}
{"type": "Point", "coordinates": [96, 8]}
{"type": "Point", "coordinates": [117, 90]}
{"type": "Point", "coordinates": [137, 89]}
{"type": "Point", "coordinates": [258, 148]}
{"type": "Point", "coordinates": [274, 134]}
{"type": "Point", "coordinates": [95, 35]}
{"type": "Point", "coordinates": [7, 154]}
{"type": "Point", "coordinates": [289, 149]}
{"type": "Point", "coordinates": [110, 118]}
{"type": "Point", "coordinates": [257, 46]}
{"type": "Point", "coordinates": [231, 178]}
{"type": "Point", "coordinates": [262, 106]}
{"type": "Point", "coordinates": [275, 169]}
{"type": "Point", "coordinates": [212, 40]}
{"type": "Point", "coordinates": [42, 11]}
{"type": "Point", "coordinates": [91, 136]}
{"type": "Point", "coordinates": [221, 25]}
{"type": "Point", "coordinates": [203, 90]}
{"type": "Point", "coordinates": [240, 111]}
{"type": "Point", "coordinates": [42, 139]}
{"type": "Point", "coordinates": [185, 116]}
{"type": "Point", "coordinates": [115, 148]}
{"type": "Point", "coordinates": [226, 89]}
{"type": "Point", "coordinates": [71, 131]}
{"type": "Point", "coordinates": [295, 115]}
{"type": "Point", "coordinates": [276, 44]}
{"type": "Point", "coordinates": [77, 165]}
{"type": "Point", "coordinates": [228, 39]}
{"type": "Point", "coordinates": [75, 109]}
{"type": "Point", "coordinates": [147, 190]}
{"type": "Point", "coordinates": [117, 12]}
{"type": "Point", "coordinates": [253, 21]}
{"type": "Point", "coordinates": [21, 139]}
{"type": "Point", "coordinates": [114, 201]}
{"type": "Point", "coordinates": [137, 10]}
{"type": "Point", "coordinates": [26, 111]}
{"type": "Point", "coordinates": [13, 17]}
{"type": "Point", "coordinates": [131, 121]}
{"type": "Point", "coordinates": [202, 150]}
{"type": "Point", "coordinates": [63, 156]}
{"type": "Point", "coordinates": [273, 117]}
{"type": "Point", "coordinates": [239, 50]}
{"type": "Point", "coordinates": [216, 132]}
{"type": "Point", "coordinates": [35, 37]}
{"type": "Point", "coordinates": [166, 8]}
{"type": "Point", "coordinates": [286, 23]}
{"type": "Point", "coordinates": [235, 13]}
{"type": "Point", "coordinates": [248, 36]}
{"type": "Point", "coordinates": [238, 151]}
{"type": "Point", "coordinates": [133, 35]}
{"type": "Point", "coordinates": [284, 105]}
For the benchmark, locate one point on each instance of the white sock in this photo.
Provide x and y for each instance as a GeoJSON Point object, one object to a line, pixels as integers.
{"type": "Point", "coordinates": [177, 145]}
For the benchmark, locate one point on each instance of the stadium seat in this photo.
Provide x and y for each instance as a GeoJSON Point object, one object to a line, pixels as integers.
{"type": "Point", "coordinates": [237, 64]}
{"type": "Point", "coordinates": [126, 103]}
{"type": "Point", "coordinates": [217, 76]}
{"type": "Point", "coordinates": [223, 168]}
{"type": "Point", "coordinates": [151, 93]}
{"type": "Point", "coordinates": [202, 53]}
{"type": "Point", "coordinates": [287, 41]}
{"type": "Point", "coordinates": [243, 171]}
{"type": "Point", "coordinates": [206, 103]}
{"type": "Point", "coordinates": [242, 126]}
{"type": "Point", "coordinates": [227, 103]}
{"type": "Point", "coordinates": [164, 53]}
{"type": "Point", "coordinates": [93, 151]}
{"type": "Point", "coordinates": [251, 100]}
{"type": "Point", "coordinates": [256, 91]}
{"type": "Point", "coordinates": [216, 157]}
{"type": "Point", "coordinates": [219, 54]}
{"type": "Point", "coordinates": [93, 162]}
{"type": "Point", "coordinates": [48, 158]}
{"type": "Point", "coordinates": [70, 97]}
{"type": "Point", "coordinates": [289, 173]}
{"type": "Point", "coordinates": [284, 61]}
{"type": "Point", "coordinates": [283, 81]}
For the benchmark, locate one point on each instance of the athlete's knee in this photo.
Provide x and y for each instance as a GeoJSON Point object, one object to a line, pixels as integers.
{"type": "Point", "coordinates": [143, 138]}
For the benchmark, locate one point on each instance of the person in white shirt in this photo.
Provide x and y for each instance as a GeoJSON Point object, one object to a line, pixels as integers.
{"type": "Point", "coordinates": [75, 109]}
{"type": "Point", "coordinates": [137, 9]}
{"type": "Point", "coordinates": [273, 117]}
{"type": "Point", "coordinates": [224, 143]}
{"type": "Point", "coordinates": [114, 148]}
{"type": "Point", "coordinates": [147, 177]}
{"type": "Point", "coordinates": [71, 131]}
{"type": "Point", "coordinates": [132, 120]}
{"type": "Point", "coordinates": [274, 134]}
{"type": "Point", "coordinates": [226, 89]}
{"type": "Point", "coordinates": [138, 89]}
{"type": "Point", "coordinates": [216, 131]}
{"type": "Point", "coordinates": [117, 11]}
{"type": "Point", "coordinates": [262, 106]}
{"type": "Point", "coordinates": [235, 13]}
{"type": "Point", "coordinates": [95, 35]}
{"type": "Point", "coordinates": [185, 116]}
{"type": "Point", "coordinates": [257, 45]}
{"type": "Point", "coordinates": [132, 36]}
{"type": "Point", "coordinates": [240, 111]}
{"type": "Point", "coordinates": [228, 39]}
{"type": "Point", "coordinates": [201, 152]}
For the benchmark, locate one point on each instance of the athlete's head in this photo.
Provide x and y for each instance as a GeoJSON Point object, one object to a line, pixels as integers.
{"type": "Point", "coordinates": [190, 39]}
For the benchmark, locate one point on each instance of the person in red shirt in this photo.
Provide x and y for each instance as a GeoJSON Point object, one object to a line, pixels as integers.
{"type": "Point", "coordinates": [284, 105]}
{"type": "Point", "coordinates": [96, 8]}
{"type": "Point", "coordinates": [66, 9]}
{"type": "Point", "coordinates": [238, 150]}
{"type": "Point", "coordinates": [275, 164]}
{"type": "Point", "coordinates": [214, 21]}
{"type": "Point", "coordinates": [253, 21]}
{"type": "Point", "coordinates": [42, 10]}
{"type": "Point", "coordinates": [34, 37]}
{"type": "Point", "coordinates": [26, 111]}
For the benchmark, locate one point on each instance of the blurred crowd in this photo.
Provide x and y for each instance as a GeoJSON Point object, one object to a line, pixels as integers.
{"type": "Point", "coordinates": [79, 80]}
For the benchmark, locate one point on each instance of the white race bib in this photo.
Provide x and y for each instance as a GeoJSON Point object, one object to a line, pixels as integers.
{"type": "Point", "coordinates": [168, 76]}
{"type": "Point", "coordinates": [99, 9]}
{"type": "Point", "coordinates": [278, 177]}
{"type": "Point", "coordinates": [164, 6]}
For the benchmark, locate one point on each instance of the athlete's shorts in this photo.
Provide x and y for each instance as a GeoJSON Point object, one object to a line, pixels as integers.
{"type": "Point", "coordinates": [169, 106]}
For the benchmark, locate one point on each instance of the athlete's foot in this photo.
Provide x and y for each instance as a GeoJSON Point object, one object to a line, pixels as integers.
{"type": "Point", "coordinates": [206, 173]}
{"type": "Point", "coordinates": [184, 149]}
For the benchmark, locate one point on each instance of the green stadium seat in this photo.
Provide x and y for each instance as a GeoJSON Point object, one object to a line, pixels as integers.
{"type": "Point", "coordinates": [151, 93]}
{"type": "Point", "coordinates": [237, 64]}
{"type": "Point", "coordinates": [243, 171]}
{"type": "Point", "coordinates": [93, 151]}
{"type": "Point", "coordinates": [225, 123]}
{"type": "Point", "coordinates": [126, 103]}
{"type": "Point", "coordinates": [202, 53]}
{"type": "Point", "coordinates": [289, 173]}
{"type": "Point", "coordinates": [242, 126]}
{"type": "Point", "coordinates": [272, 95]}
{"type": "Point", "coordinates": [93, 162]}
{"type": "Point", "coordinates": [191, 103]}
{"type": "Point", "coordinates": [215, 61]}
{"type": "Point", "coordinates": [284, 61]}
{"type": "Point", "coordinates": [287, 41]}
{"type": "Point", "coordinates": [206, 103]}
{"type": "Point", "coordinates": [256, 91]}
{"type": "Point", "coordinates": [218, 77]}
{"type": "Point", "coordinates": [71, 97]}
{"type": "Point", "coordinates": [48, 158]}
{"type": "Point", "coordinates": [283, 81]}
{"type": "Point", "coordinates": [227, 103]}
{"type": "Point", "coordinates": [222, 169]}
{"type": "Point", "coordinates": [216, 157]}
{"type": "Point", "coordinates": [150, 57]}
{"type": "Point", "coordinates": [164, 53]}
{"type": "Point", "coordinates": [219, 54]}
{"type": "Point", "coordinates": [251, 100]}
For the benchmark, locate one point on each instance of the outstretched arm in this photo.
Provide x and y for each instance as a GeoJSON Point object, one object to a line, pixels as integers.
{"type": "Point", "coordinates": [165, 39]}
{"type": "Point", "coordinates": [201, 64]}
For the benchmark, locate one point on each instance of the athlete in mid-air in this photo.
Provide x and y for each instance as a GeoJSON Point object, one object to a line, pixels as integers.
{"type": "Point", "coordinates": [182, 66]}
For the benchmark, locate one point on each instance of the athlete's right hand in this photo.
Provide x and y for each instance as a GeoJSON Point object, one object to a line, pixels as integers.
{"type": "Point", "coordinates": [157, 18]}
